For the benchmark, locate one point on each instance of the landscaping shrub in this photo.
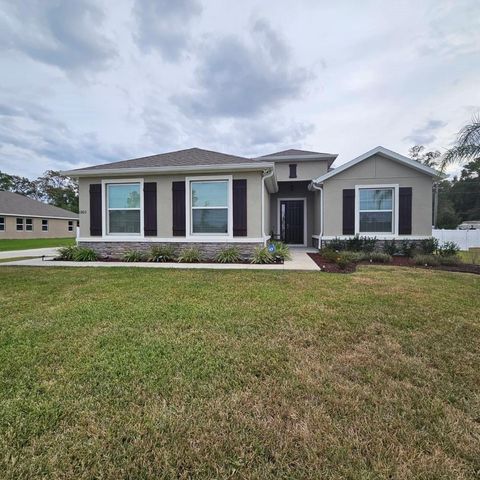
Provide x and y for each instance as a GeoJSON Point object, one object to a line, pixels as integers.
{"type": "Point", "coordinates": [359, 256]}
{"type": "Point", "coordinates": [67, 253]}
{"type": "Point", "coordinates": [282, 251]}
{"type": "Point", "coordinates": [354, 244]}
{"type": "Point", "coordinates": [84, 254]}
{"type": "Point", "coordinates": [228, 255]}
{"type": "Point", "coordinates": [407, 248]}
{"type": "Point", "coordinates": [369, 244]}
{"type": "Point", "coordinates": [448, 249]}
{"type": "Point", "coordinates": [380, 257]}
{"type": "Point", "coordinates": [190, 255]}
{"type": "Point", "coordinates": [133, 256]}
{"type": "Point", "coordinates": [337, 244]}
{"type": "Point", "coordinates": [429, 246]}
{"type": "Point", "coordinates": [262, 255]}
{"type": "Point", "coordinates": [450, 260]}
{"type": "Point", "coordinates": [344, 259]}
{"type": "Point", "coordinates": [429, 260]}
{"type": "Point", "coordinates": [390, 247]}
{"type": "Point", "coordinates": [162, 253]}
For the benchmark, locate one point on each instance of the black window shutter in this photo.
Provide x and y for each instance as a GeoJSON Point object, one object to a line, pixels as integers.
{"type": "Point", "coordinates": [405, 211]}
{"type": "Point", "coordinates": [150, 209]}
{"type": "Point", "coordinates": [293, 170]}
{"type": "Point", "coordinates": [240, 208]}
{"type": "Point", "coordinates": [348, 211]}
{"type": "Point", "coordinates": [95, 210]}
{"type": "Point", "coordinates": [178, 209]}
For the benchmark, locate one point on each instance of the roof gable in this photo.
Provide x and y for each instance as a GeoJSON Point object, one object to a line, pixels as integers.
{"type": "Point", "coordinates": [385, 152]}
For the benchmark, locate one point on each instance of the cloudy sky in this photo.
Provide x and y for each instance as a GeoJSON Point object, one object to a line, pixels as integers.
{"type": "Point", "coordinates": [86, 82]}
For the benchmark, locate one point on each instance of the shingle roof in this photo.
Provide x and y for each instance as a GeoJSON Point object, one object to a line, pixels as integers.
{"type": "Point", "coordinates": [292, 153]}
{"type": "Point", "coordinates": [15, 204]}
{"type": "Point", "coordinates": [190, 156]}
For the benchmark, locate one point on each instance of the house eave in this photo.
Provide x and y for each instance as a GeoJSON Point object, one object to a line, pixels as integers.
{"type": "Point", "coordinates": [232, 167]}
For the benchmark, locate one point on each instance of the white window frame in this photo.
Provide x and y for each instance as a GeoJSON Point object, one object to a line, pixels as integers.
{"type": "Point", "coordinates": [394, 232]}
{"type": "Point", "coordinates": [26, 225]}
{"type": "Point", "coordinates": [188, 214]}
{"type": "Point", "coordinates": [105, 209]}
{"type": "Point", "coordinates": [279, 227]}
{"type": "Point", "coordinates": [46, 225]}
{"type": "Point", "coordinates": [17, 224]}
{"type": "Point", "coordinates": [3, 223]}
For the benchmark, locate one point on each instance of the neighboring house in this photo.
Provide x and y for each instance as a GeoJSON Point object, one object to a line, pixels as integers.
{"type": "Point", "coordinates": [209, 199]}
{"type": "Point", "coordinates": [23, 217]}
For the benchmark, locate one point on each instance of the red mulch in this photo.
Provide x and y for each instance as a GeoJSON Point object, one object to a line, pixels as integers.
{"type": "Point", "coordinates": [331, 267]}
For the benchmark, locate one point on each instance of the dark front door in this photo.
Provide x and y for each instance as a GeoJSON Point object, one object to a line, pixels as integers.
{"type": "Point", "coordinates": [291, 221]}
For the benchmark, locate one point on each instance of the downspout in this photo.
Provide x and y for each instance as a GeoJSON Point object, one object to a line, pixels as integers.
{"type": "Point", "coordinates": [264, 177]}
{"type": "Point", "coordinates": [320, 189]}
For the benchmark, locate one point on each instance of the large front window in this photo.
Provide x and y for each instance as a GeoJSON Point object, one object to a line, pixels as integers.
{"type": "Point", "coordinates": [376, 210]}
{"type": "Point", "coordinates": [123, 208]}
{"type": "Point", "coordinates": [209, 204]}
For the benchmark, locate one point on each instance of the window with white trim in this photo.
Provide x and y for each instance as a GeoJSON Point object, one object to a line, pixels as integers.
{"type": "Point", "coordinates": [70, 225]}
{"type": "Point", "coordinates": [44, 225]}
{"type": "Point", "coordinates": [209, 203]}
{"type": "Point", "coordinates": [123, 208]}
{"type": "Point", "coordinates": [2, 224]}
{"type": "Point", "coordinates": [376, 210]}
{"type": "Point", "coordinates": [29, 225]}
{"type": "Point", "coordinates": [19, 224]}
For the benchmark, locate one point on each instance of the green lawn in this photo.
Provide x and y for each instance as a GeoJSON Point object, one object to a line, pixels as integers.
{"type": "Point", "coordinates": [29, 243]}
{"type": "Point", "coordinates": [152, 373]}
{"type": "Point", "coordinates": [471, 256]}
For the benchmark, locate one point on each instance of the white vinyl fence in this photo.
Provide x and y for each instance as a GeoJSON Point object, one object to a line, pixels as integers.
{"type": "Point", "coordinates": [465, 239]}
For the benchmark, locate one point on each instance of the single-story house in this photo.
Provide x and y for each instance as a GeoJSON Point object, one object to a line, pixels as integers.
{"type": "Point", "coordinates": [23, 217]}
{"type": "Point", "coordinates": [209, 199]}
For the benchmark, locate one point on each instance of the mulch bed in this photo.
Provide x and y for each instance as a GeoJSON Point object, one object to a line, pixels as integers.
{"type": "Point", "coordinates": [331, 267]}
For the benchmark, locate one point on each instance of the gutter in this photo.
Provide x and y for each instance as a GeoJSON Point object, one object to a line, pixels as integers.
{"type": "Point", "coordinates": [322, 203]}
{"type": "Point", "coordinates": [128, 171]}
{"type": "Point", "coordinates": [265, 175]}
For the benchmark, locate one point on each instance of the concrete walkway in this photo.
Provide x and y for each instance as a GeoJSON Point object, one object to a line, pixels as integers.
{"type": "Point", "coordinates": [33, 252]}
{"type": "Point", "coordinates": [300, 261]}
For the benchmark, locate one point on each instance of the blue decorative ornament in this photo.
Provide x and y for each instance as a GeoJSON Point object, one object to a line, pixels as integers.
{"type": "Point", "coordinates": [271, 248]}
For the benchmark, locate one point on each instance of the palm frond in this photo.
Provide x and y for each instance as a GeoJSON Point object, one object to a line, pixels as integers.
{"type": "Point", "coordinates": [470, 134]}
{"type": "Point", "coordinates": [458, 153]}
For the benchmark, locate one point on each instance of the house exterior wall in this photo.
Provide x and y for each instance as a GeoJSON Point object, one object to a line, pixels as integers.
{"type": "Point", "coordinates": [306, 170]}
{"type": "Point", "coordinates": [379, 170]}
{"type": "Point", "coordinates": [165, 208]}
{"type": "Point", "coordinates": [293, 190]}
{"type": "Point", "coordinates": [57, 228]}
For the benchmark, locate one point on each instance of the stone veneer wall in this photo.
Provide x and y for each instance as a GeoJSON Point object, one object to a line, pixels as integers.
{"type": "Point", "coordinates": [209, 250]}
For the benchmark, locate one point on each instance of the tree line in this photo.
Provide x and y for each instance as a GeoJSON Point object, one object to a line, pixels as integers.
{"type": "Point", "coordinates": [52, 188]}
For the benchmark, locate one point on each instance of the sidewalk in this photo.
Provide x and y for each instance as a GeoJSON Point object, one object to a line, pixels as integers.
{"type": "Point", "coordinates": [300, 261]}
{"type": "Point", "coordinates": [33, 252]}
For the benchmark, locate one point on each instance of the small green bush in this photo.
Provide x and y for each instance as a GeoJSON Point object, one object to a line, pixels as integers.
{"type": "Point", "coordinates": [228, 255]}
{"type": "Point", "coordinates": [262, 255]}
{"type": "Point", "coordinates": [407, 248]}
{"type": "Point", "coordinates": [133, 256]}
{"type": "Point", "coordinates": [450, 260]}
{"type": "Point", "coordinates": [359, 256]}
{"type": "Point", "coordinates": [190, 255]}
{"type": "Point", "coordinates": [448, 249]}
{"type": "Point", "coordinates": [336, 244]}
{"type": "Point", "coordinates": [162, 253]}
{"type": "Point", "coordinates": [429, 260]}
{"type": "Point", "coordinates": [282, 251]}
{"type": "Point", "coordinates": [354, 244]}
{"type": "Point", "coordinates": [67, 253]}
{"type": "Point", "coordinates": [369, 244]}
{"type": "Point", "coordinates": [380, 257]}
{"type": "Point", "coordinates": [429, 246]}
{"type": "Point", "coordinates": [84, 254]}
{"type": "Point", "coordinates": [344, 259]}
{"type": "Point", "coordinates": [329, 254]}
{"type": "Point", "coordinates": [390, 247]}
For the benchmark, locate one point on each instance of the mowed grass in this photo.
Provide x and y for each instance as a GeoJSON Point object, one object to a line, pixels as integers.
{"type": "Point", "coordinates": [139, 373]}
{"type": "Point", "coordinates": [29, 243]}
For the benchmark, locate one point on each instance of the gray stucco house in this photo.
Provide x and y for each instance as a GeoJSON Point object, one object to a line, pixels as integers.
{"type": "Point", "coordinates": [210, 199]}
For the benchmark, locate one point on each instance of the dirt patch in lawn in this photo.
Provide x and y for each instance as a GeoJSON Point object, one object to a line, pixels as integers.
{"type": "Point", "coordinates": [331, 267]}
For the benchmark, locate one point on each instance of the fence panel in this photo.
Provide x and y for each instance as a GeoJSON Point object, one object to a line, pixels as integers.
{"type": "Point", "coordinates": [464, 238]}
